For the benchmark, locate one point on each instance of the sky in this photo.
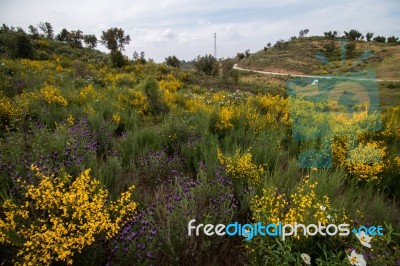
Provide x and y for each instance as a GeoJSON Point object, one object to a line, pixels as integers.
{"type": "Point", "coordinates": [185, 28]}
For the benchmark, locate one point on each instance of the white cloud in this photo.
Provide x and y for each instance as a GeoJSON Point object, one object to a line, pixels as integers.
{"type": "Point", "coordinates": [186, 28]}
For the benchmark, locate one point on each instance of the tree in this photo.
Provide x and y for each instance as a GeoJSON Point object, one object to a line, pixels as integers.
{"type": "Point", "coordinates": [281, 44]}
{"type": "Point", "coordinates": [265, 49]}
{"type": "Point", "coordinates": [380, 39]}
{"type": "Point", "coordinates": [247, 53]}
{"type": "Point", "coordinates": [369, 36]}
{"type": "Point", "coordinates": [63, 35]}
{"type": "Point", "coordinates": [142, 59]}
{"type": "Point", "coordinates": [206, 64]}
{"type": "Point", "coordinates": [135, 56]}
{"type": "Point", "coordinates": [23, 47]}
{"type": "Point", "coordinates": [350, 49]}
{"type": "Point", "coordinates": [115, 39]}
{"type": "Point", "coordinates": [74, 38]}
{"type": "Point", "coordinates": [47, 29]}
{"type": "Point", "coordinates": [240, 56]}
{"type": "Point", "coordinates": [269, 45]}
{"type": "Point", "coordinates": [139, 59]}
{"type": "Point", "coordinates": [172, 61]}
{"type": "Point", "coordinates": [330, 35]}
{"type": "Point", "coordinates": [303, 33]}
{"type": "Point", "coordinates": [330, 47]}
{"type": "Point", "coordinates": [33, 31]}
{"type": "Point", "coordinates": [392, 39]}
{"type": "Point", "coordinates": [353, 35]}
{"type": "Point", "coordinates": [118, 59]}
{"type": "Point", "coordinates": [90, 40]}
{"type": "Point", "coordinates": [226, 67]}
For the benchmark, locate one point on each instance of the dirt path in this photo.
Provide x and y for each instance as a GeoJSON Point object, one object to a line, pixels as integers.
{"type": "Point", "coordinates": [308, 76]}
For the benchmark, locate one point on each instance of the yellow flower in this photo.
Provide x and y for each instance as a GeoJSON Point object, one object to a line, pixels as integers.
{"type": "Point", "coordinates": [116, 118]}
{"type": "Point", "coordinates": [70, 120]}
{"type": "Point", "coordinates": [78, 211]}
{"type": "Point", "coordinates": [52, 95]}
{"type": "Point", "coordinates": [241, 167]}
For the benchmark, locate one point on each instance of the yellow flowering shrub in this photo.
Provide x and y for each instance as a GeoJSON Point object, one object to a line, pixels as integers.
{"type": "Point", "coordinates": [392, 124]}
{"type": "Point", "coordinates": [139, 101]}
{"type": "Point", "coordinates": [52, 95]}
{"type": "Point", "coordinates": [241, 167]}
{"type": "Point", "coordinates": [117, 78]}
{"type": "Point", "coordinates": [302, 206]}
{"type": "Point", "coordinates": [170, 84]}
{"type": "Point", "coordinates": [87, 92]}
{"type": "Point", "coordinates": [7, 110]}
{"type": "Point", "coordinates": [275, 109]}
{"type": "Point", "coordinates": [339, 150]}
{"type": "Point", "coordinates": [197, 103]}
{"type": "Point", "coordinates": [252, 116]}
{"type": "Point", "coordinates": [116, 118]}
{"type": "Point", "coordinates": [225, 117]}
{"type": "Point", "coordinates": [365, 162]}
{"type": "Point", "coordinates": [70, 120]}
{"type": "Point", "coordinates": [60, 216]}
{"type": "Point", "coordinates": [170, 99]}
{"type": "Point", "coordinates": [133, 98]}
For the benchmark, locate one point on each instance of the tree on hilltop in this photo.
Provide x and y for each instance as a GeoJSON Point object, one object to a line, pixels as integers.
{"type": "Point", "coordinates": [90, 40]}
{"type": "Point", "coordinates": [172, 61]}
{"type": "Point", "coordinates": [115, 39]}
{"type": "Point", "coordinates": [369, 36]}
{"type": "Point", "coordinates": [62, 36]}
{"type": "Point", "coordinates": [47, 29]}
{"type": "Point", "coordinates": [353, 35]}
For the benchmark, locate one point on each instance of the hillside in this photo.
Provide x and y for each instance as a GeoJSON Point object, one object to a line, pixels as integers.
{"type": "Point", "coordinates": [111, 161]}
{"type": "Point", "coordinates": [300, 57]}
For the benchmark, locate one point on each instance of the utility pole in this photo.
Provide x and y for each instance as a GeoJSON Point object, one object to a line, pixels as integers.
{"type": "Point", "coordinates": [215, 45]}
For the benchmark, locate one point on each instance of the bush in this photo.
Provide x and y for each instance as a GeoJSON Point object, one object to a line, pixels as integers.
{"type": "Point", "coordinates": [118, 59]}
{"type": "Point", "coordinates": [59, 217]}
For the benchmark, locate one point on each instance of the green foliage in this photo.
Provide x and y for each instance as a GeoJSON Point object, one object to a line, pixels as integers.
{"type": "Point", "coordinates": [393, 40]}
{"type": "Point", "coordinates": [240, 56]}
{"type": "Point", "coordinates": [118, 59]}
{"type": "Point", "coordinates": [47, 29]}
{"type": "Point", "coordinates": [331, 34]}
{"type": "Point", "coordinates": [74, 38]}
{"type": "Point", "coordinates": [172, 61]}
{"type": "Point", "coordinates": [156, 127]}
{"type": "Point", "coordinates": [206, 64]}
{"type": "Point", "coordinates": [281, 44]}
{"type": "Point", "coordinates": [154, 95]}
{"type": "Point", "coordinates": [369, 36]}
{"type": "Point", "coordinates": [23, 46]}
{"type": "Point", "coordinates": [63, 35]}
{"type": "Point", "coordinates": [90, 40]}
{"type": "Point", "coordinates": [115, 39]}
{"type": "Point", "coordinates": [33, 32]}
{"type": "Point", "coordinates": [353, 35]}
{"type": "Point", "coordinates": [380, 39]}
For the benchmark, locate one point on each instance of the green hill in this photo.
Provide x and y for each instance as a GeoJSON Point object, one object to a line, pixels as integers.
{"type": "Point", "coordinates": [299, 56]}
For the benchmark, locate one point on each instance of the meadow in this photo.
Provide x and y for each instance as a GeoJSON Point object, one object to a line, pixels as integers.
{"type": "Point", "coordinates": [106, 166]}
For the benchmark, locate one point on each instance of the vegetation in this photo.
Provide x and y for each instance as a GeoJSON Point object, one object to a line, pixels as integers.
{"type": "Point", "coordinates": [165, 145]}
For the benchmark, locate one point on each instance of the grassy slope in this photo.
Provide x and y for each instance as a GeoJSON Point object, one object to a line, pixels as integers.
{"type": "Point", "coordinates": [300, 58]}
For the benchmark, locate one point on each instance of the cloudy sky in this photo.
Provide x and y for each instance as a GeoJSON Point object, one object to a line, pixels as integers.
{"type": "Point", "coordinates": [186, 28]}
